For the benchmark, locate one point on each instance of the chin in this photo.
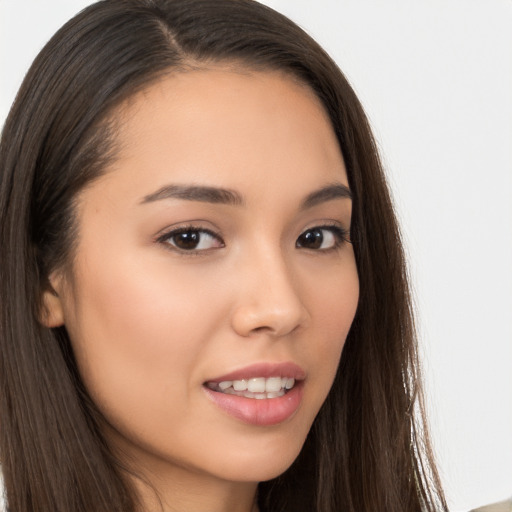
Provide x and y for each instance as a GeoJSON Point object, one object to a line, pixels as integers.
{"type": "Point", "coordinates": [260, 463]}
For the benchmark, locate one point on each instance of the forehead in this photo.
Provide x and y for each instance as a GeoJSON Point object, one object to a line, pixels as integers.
{"type": "Point", "coordinates": [227, 127]}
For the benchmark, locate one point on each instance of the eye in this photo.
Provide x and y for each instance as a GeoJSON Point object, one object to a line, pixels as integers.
{"type": "Point", "coordinates": [192, 239]}
{"type": "Point", "coordinates": [322, 238]}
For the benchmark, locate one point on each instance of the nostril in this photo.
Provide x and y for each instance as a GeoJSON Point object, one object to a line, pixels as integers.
{"type": "Point", "coordinates": [262, 329]}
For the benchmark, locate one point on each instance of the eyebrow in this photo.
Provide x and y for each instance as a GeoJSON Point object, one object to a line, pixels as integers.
{"type": "Point", "coordinates": [225, 196]}
{"type": "Point", "coordinates": [196, 193]}
{"type": "Point", "coordinates": [327, 193]}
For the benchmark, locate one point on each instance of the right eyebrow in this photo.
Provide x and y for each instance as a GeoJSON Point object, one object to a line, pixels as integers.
{"type": "Point", "coordinates": [328, 193]}
{"type": "Point", "coordinates": [196, 193]}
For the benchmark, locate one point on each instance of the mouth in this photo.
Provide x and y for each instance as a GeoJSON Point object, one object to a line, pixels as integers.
{"type": "Point", "coordinates": [258, 388]}
{"type": "Point", "coordinates": [262, 394]}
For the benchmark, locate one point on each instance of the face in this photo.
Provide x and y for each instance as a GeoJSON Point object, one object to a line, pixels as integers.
{"type": "Point", "coordinates": [214, 282]}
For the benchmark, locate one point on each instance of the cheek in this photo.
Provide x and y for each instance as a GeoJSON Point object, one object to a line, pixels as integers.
{"type": "Point", "coordinates": [332, 295]}
{"type": "Point", "coordinates": [136, 334]}
{"type": "Point", "coordinates": [332, 298]}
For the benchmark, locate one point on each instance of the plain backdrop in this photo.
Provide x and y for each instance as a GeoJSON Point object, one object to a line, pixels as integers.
{"type": "Point", "coordinates": [435, 77]}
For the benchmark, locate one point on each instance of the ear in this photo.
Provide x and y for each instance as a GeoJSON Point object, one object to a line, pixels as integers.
{"type": "Point", "coordinates": [52, 313]}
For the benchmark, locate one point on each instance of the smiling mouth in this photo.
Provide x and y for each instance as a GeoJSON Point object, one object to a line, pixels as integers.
{"type": "Point", "coordinates": [258, 388]}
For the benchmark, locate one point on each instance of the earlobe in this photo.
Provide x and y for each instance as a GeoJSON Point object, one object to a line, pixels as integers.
{"type": "Point", "coordinates": [52, 313]}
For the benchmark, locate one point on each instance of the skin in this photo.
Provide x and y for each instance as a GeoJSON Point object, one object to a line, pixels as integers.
{"type": "Point", "coordinates": [150, 323]}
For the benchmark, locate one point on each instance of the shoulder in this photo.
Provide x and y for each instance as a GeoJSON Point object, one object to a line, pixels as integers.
{"type": "Point", "coordinates": [502, 506]}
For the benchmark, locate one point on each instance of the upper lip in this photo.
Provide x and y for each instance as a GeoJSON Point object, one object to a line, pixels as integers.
{"type": "Point", "coordinates": [266, 370]}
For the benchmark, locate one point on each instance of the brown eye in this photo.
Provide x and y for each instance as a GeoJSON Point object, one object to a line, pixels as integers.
{"type": "Point", "coordinates": [192, 239]}
{"type": "Point", "coordinates": [189, 240]}
{"type": "Point", "coordinates": [311, 239]}
{"type": "Point", "coordinates": [322, 238]}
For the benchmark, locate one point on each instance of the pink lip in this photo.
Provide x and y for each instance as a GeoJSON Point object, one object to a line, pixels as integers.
{"type": "Point", "coordinates": [261, 412]}
{"type": "Point", "coordinates": [265, 370]}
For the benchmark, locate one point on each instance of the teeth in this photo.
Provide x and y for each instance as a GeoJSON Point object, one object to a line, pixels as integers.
{"type": "Point", "coordinates": [258, 388]}
{"type": "Point", "coordinates": [257, 396]}
{"type": "Point", "coordinates": [256, 385]}
{"type": "Point", "coordinates": [273, 384]}
{"type": "Point", "coordinates": [239, 385]}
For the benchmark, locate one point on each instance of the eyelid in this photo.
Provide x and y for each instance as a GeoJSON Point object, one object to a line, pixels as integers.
{"type": "Point", "coordinates": [188, 225]}
{"type": "Point", "coordinates": [341, 234]}
{"type": "Point", "coordinates": [163, 238]}
{"type": "Point", "coordinates": [330, 224]}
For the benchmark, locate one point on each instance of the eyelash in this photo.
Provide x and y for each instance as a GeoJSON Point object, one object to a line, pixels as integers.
{"type": "Point", "coordinates": [341, 236]}
{"type": "Point", "coordinates": [166, 238]}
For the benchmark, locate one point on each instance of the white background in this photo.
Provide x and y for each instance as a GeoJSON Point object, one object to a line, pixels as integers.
{"type": "Point", "coordinates": [435, 77]}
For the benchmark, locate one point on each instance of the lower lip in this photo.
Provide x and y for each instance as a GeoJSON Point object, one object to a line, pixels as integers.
{"type": "Point", "coordinates": [262, 412]}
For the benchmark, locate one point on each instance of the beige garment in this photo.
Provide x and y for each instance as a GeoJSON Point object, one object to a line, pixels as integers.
{"type": "Point", "coordinates": [502, 506]}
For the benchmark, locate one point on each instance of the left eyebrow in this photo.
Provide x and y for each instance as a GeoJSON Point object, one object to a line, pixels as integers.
{"type": "Point", "coordinates": [328, 193]}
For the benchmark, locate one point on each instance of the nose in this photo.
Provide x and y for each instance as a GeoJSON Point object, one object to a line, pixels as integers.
{"type": "Point", "coordinates": [268, 300]}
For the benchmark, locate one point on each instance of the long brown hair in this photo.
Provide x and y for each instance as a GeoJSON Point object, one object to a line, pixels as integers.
{"type": "Point", "coordinates": [368, 449]}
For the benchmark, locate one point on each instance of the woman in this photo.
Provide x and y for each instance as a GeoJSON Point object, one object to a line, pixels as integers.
{"type": "Point", "coordinates": [204, 296]}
